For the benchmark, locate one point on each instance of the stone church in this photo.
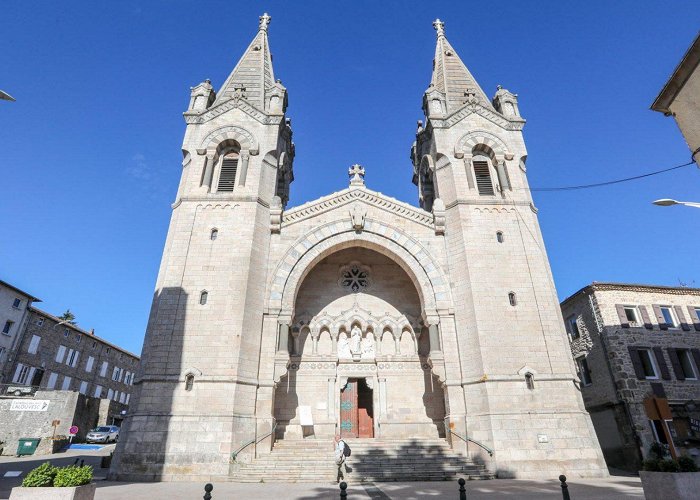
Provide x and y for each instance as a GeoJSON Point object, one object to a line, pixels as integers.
{"type": "Point", "coordinates": [354, 314]}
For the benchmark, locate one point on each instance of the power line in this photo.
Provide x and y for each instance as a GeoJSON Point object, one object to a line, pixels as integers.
{"type": "Point", "coordinates": [608, 183]}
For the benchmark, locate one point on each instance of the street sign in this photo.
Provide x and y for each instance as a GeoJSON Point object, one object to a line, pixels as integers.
{"type": "Point", "coordinates": [29, 405]}
{"type": "Point", "coordinates": [73, 430]}
{"type": "Point", "coordinates": [694, 425]}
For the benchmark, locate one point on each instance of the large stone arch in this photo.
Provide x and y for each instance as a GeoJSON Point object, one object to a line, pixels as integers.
{"type": "Point", "coordinates": [467, 142]}
{"type": "Point", "coordinates": [240, 135]}
{"type": "Point", "coordinates": [406, 251]}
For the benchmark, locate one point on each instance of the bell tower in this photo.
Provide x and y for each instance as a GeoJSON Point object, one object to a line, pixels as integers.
{"type": "Point", "coordinates": [469, 164]}
{"type": "Point", "coordinates": [202, 343]}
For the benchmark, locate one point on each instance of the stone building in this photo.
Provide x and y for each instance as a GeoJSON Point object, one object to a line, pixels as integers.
{"type": "Point", "coordinates": [355, 313]}
{"type": "Point", "coordinates": [14, 307]}
{"type": "Point", "coordinates": [56, 355]}
{"type": "Point", "coordinates": [680, 97]}
{"type": "Point", "coordinates": [637, 349]}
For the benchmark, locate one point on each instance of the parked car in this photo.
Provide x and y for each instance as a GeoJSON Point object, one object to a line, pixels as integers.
{"type": "Point", "coordinates": [103, 434]}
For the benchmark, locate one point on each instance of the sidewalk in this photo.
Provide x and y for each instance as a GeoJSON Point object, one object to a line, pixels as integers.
{"type": "Point", "coordinates": [614, 488]}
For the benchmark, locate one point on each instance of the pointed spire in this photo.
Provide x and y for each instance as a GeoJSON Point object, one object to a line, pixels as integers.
{"type": "Point", "coordinates": [452, 78]}
{"type": "Point", "coordinates": [253, 76]}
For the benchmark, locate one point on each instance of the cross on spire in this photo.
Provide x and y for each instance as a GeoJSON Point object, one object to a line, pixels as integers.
{"type": "Point", "coordinates": [357, 175]}
{"type": "Point", "coordinates": [265, 21]}
{"type": "Point", "coordinates": [439, 27]}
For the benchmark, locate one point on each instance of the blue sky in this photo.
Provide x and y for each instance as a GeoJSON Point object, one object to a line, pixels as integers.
{"type": "Point", "coordinates": [90, 152]}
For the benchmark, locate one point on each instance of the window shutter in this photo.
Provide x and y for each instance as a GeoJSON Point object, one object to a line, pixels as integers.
{"type": "Point", "coordinates": [694, 318]}
{"type": "Point", "coordinates": [227, 176]}
{"type": "Point", "coordinates": [645, 317]}
{"type": "Point", "coordinates": [623, 317]}
{"type": "Point", "coordinates": [660, 317]}
{"type": "Point", "coordinates": [659, 354]}
{"type": "Point", "coordinates": [483, 177]}
{"type": "Point", "coordinates": [681, 318]}
{"type": "Point", "coordinates": [675, 363]}
{"type": "Point", "coordinates": [696, 357]}
{"type": "Point", "coordinates": [636, 363]}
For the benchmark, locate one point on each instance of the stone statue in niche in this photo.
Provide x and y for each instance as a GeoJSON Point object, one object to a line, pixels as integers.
{"type": "Point", "coordinates": [356, 340]}
{"type": "Point", "coordinates": [343, 346]}
{"type": "Point", "coordinates": [368, 346]}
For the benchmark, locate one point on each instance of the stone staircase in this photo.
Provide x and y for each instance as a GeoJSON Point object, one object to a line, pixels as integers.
{"type": "Point", "coordinates": [310, 460]}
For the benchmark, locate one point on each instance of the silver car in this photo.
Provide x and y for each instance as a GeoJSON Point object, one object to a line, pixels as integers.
{"type": "Point", "coordinates": [103, 434]}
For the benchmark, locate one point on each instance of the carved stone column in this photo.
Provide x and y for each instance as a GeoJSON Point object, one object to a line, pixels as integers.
{"type": "Point", "coordinates": [245, 158]}
{"type": "Point", "coordinates": [208, 171]}
{"type": "Point", "coordinates": [295, 349]}
{"type": "Point", "coordinates": [434, 336]}
{"type": "Point", "coordinates": [397, 343]}
{"type": "Point", "coordinates": [283, 338]}
{"type": "Point", "coordinates": [314, 341]}
{"type": "Point", "coordinates": [502, 174]}
{"type": "Point", "coordinates": [382, 397]}
{"type": "Point", "coordinates": [468, 170]}
{"type": "Point", "coordinates": [331, 398]}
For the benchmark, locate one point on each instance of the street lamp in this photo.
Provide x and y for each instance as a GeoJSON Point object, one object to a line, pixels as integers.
{"type": "Point", "coordinates": [667, 202]}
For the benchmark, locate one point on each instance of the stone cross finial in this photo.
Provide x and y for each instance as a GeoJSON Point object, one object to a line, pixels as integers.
{"type": "Point", "coordinates": [439, 27]}
{"type": "Point", "coordinates": [357, 175]}
{"type": "Point", "coordinates": [265, 21]}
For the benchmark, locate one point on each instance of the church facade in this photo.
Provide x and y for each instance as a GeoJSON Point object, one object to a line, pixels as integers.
{"type": "Point", "coordinates": [356, 313]}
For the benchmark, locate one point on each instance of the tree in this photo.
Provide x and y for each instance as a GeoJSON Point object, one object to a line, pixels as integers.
{"type": "Point", "coordinates": [68, 317]}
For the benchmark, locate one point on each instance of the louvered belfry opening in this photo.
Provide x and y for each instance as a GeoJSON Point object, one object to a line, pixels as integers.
{"type": "Point", "coordinates": [483, 177]}
{"type": "Point", "coordinates": [227, 176]}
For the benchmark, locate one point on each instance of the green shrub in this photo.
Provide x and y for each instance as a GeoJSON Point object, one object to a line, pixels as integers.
{"type": "Point", "coordinates": [669, 465]}
{"type": "Point", "coordinates": [41, 476]}
{"type": "Point", "coordinates": [47, 475]}
{"type": "Point", "coordinates": [73, 476]}
{"type": "Point", "coordinates": [651, 464]}
{"type": "Point", "coordinates": [657, 450]}
{"type": "Point", "coordinates": [687, 464]}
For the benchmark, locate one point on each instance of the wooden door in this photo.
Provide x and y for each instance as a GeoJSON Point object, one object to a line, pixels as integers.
{"type": "Point", "coordinates": [365, 411]}
{"type": "Point", "coordinates": [348, 410]}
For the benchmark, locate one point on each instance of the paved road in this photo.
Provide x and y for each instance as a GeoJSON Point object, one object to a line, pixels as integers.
{"type": "Point", "coordinates": [614, 488]}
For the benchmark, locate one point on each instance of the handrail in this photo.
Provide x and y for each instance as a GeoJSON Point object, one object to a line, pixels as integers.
{"type": "Point", "coordinates": [255, 440]}
{"type": "Point", "coordinates": [465, 439]}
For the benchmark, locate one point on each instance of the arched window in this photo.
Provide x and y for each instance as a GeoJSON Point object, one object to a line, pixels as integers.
{"type": "Point", "coordinates": [203, 297]}
{"type": "Point", "coordinates": [214, 234]}
{"type": "Point", "coordinates": [530, 381]}
{"type": "Point", "coordinates": [189, 382]}
{"type": "Point", "coordinates": [482, 174]}
{"type": "Point", "coordinates": [511, 299]}
{"type": "Point", "coordinates": [228, 165]}
{"type": "Point", "coordinates": [499, 236]}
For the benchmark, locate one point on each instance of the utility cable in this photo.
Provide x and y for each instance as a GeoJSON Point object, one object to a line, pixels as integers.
{"type": "Point", "coordinates": [608, 183]}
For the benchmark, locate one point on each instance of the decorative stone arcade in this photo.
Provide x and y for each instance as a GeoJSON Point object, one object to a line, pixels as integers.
{"type": "Point", "coordinates": [358, 354]}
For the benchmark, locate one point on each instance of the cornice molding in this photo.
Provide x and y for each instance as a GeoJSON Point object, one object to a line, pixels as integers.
{"type": "Point", "coordinates": [228, 105]}
{"type": "Point", "coordinates": [468, 109]}
{"type": "Point", "coordinates": [347, 196]}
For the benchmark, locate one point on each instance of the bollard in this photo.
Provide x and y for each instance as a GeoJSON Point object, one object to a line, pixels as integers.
{"type": "Point", "coordinates": [564, 488]}
{"type": "Point", "coordinates": [343, 487]}
{"type": "Point", "coordinates": [462, 489]}
{"type": "Point", "coordinates": [82, 462]}
{"type": "Point", "coordinates": [207, 491]}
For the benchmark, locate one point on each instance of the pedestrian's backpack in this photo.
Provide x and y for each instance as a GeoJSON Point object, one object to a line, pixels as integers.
{"type": "Point", "coordinates": [346, 450]}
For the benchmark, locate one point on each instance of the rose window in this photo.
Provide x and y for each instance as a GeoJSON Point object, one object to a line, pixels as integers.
{"type": "Point", "coordinates": [354, 278]}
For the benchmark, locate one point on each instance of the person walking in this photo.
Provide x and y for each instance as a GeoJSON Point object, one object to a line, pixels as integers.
{"type": "Point", "coordinates": [339, 456]}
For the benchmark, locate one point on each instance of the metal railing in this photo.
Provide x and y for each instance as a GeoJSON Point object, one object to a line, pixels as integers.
{"type": "Point", "coordinates": [19, 389]}
{"type": "Point", "coordinates": [470, 440]}
{"type": "Point", "coordinates": [254, 440]}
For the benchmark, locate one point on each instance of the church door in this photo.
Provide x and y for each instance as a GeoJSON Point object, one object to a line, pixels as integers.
{"type": "Point", "coordinates": [356, 412]}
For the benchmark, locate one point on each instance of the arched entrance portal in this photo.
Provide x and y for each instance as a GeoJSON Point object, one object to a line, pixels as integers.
{"type": "Point", "coordinates": [358, 354]}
